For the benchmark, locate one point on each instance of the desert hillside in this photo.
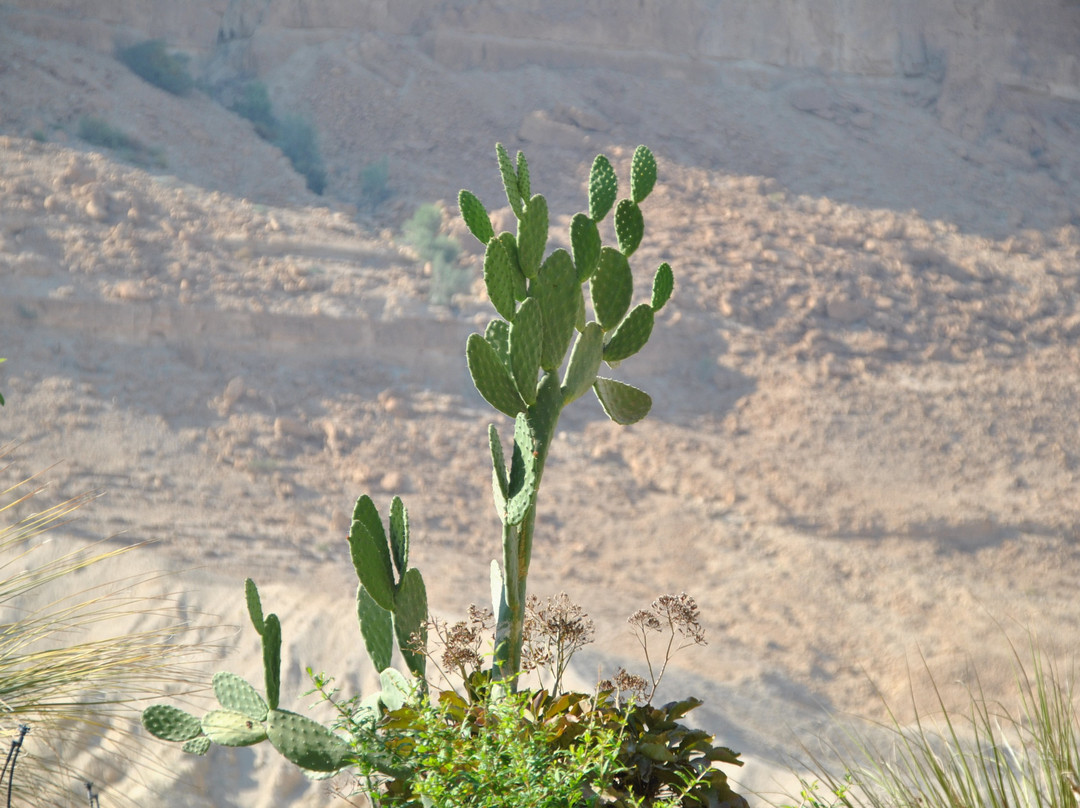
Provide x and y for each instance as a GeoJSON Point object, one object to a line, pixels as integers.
{"type": "Point", "coordinates": [865, 444]}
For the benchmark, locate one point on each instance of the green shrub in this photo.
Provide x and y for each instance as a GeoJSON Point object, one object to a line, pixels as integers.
{"type": "Point", "coordinates": [254, 104]}
{"type": "Point", "coordinates": [152, 62]}
{"type": "Point", "coordinates": [422, 233]}
{"type": "Point", "coordinates": [296, 139]}
{"type": "Point", "coordinates": [374, 182]}
{"type": "Point", "coordinates": [99, 132]}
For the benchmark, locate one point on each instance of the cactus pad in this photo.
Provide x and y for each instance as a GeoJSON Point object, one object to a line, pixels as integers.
{"type": "Point", "coordinates": [230, 728]}
{"type": "Point", "coordinates": [371, 553]}
{"type": "Point", "coordinates": [629, 226]}
{"type": "Point", "coordinates": [271, 647]}
{"type": "Point", "coordinates": [612, 288]}
{"type": "Point", "coordinates": [642, 174]}
{"type": "Point", "coordinates": [410, 617]}
{"type": "Point", "coordinates": [603, 188]}
{"type": "Point", "coordinates": [532, 237]}
{"type": "Point", "coordinates": [254, 604]}
{"type": "Point", "coordinates": [630, 335]}
{"type": "Point", "coordinates": [523, 472]}
{"type": "Point", "coordinates": [622, 403]}
{"type": "Point", "coordinates": [475, 216]}
{"type": "Point", "coordinates": [491, 377]}
{"type": "Point", "coordinates": [662, 286]}
{"type": "Point", "coordinates": [170, 723]}
{"type": "Point", "coordinates": [306, 743]}
{"type": "Point", "coordinates": [376, 627]}
{"type": "Point", "coordinates": [395, 689]}
{"type": "Point", "coordinates": [524, 186]}
{"type": "Point", "coordinates": [197, 746]}
{"type": "Point", "coordinates": [499, 278]}
{"type": "Point", "coordinates": [499, 482]}
{"type": "Point", "coordinates": [585, 245]}
{"type": "Point", "coordinates": [399, 535]}
{"type": "Point", "coordinates": [497, 334]}
{"type": "Point", "coordinates": [234, 693]}
{"type": "Point", "coordinates": [526, 342]}
{"type": "Point", "coordinates": [510, 180]}
{"type": "Point", "coordinates": [584, 363]}
{"type": "Point", "coordinates": [557, 290]}
{"type": "Point", "coordinates": [510, 245]}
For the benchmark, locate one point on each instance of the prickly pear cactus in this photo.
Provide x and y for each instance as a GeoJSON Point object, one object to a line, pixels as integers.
{"type": "Point", "coordinates": [543, 316]}
{"type": "Point", "coordinates": [391, 599]}
{"type": "Point", "coordinates": [246, 718]}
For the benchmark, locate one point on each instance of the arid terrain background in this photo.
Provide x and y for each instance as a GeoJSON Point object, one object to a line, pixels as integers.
{"type": "Point", "coordinates": [865, 444]}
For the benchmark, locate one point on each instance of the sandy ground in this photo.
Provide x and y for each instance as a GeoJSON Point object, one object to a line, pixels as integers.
{"type": "Point", "coordinates": [863, 451]}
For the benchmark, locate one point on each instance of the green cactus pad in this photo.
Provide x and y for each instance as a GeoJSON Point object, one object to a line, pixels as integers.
{"type": "Point", "coordinates": [532, 237]}
{"type": "Point", "coordinates": [526, 343]}
{"type": "Point", "coordinates": [476, 216]}
{"type": "Point", "coordinates": [603, 188]}
{"type": "Point", "coordinates": [622, 403]}
{"type": "Point", "coordinates": [524, 186]}
{"type": "Point", "coordinates": [556, 288]}
{"type": "Point", "coordinates": [544, 414]}
{"type": "Point", "coordinates": [584, 363]}
{"type": "Point", "coordinates": [271, 646]}
{"type": "Point", "coordinates": [499, 482]}
{"type": "Point", "coordinates": [510, 180]}
{"type": "Point", "coordinates": [499, 279]}
{"type": "Point", "coordinates": [642, 174]}
{"type": "Point", "coordinates": [662, 286]}
{"type": "Point", "coordinates": [630, 335]}
{"type": "Point", "coordinates": [629, 226]}
{"type": "Point", "coordinates": [491, 377]}
{"type": "Point", "coordinates": [306, 743]}
{"type": "Point", "coordinates": [234, 693]}
{"type": "Point", "coordinates": [509, 243]}
{"type": "Point", "coordinates": [170, 723]}
{"type": "Point", "coordinates": [497, 335]}
{"type": "Point", "coordinates": [396, 689]}
{"type": "Point", "coordinates": [612, 288]}
{"type": "Point", "coordinates": [523, 472]}
{"type": "Point", "coordinates": [230, 728]}
{"type": "Point", "coordinates": [399, 535]}
{"type": "Point", "coordinates": [585, 245]}
{"type": "Point", "coordinates": [410, 617]}
{"type": "Point", "coordinates": [254, 604]}
{"type": "Point", "coordinates": [376, 627]}
{"type": "Point", "coordinates": [197, 746]}
{"type": "Point", "coordinates": [371, 553]}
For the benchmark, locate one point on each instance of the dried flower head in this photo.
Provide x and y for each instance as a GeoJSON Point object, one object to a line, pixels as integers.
{"type": "Point", "coordinates": [624, 683]}
{"type": "Point", "coordinates": [645, 620]}
{"type": "Point", "coordinates": [553, 633]}
{"type": "Point", "coordinates": [681, 613]}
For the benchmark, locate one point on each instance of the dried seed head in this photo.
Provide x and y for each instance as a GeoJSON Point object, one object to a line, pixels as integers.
{"type": "Point", "coordinates": [626, 683]}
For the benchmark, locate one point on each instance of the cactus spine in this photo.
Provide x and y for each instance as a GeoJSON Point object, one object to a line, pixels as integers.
{"type": "Point", "coordinates": [543, 308]}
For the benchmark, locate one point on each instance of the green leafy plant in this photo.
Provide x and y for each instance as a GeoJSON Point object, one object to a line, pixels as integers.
{"type": "Point", "coordinates": [990, 756]}
{"type": "Point", "coordinates": [494, 741]}
{"type": "Point", "coordinates": [152, 62]}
